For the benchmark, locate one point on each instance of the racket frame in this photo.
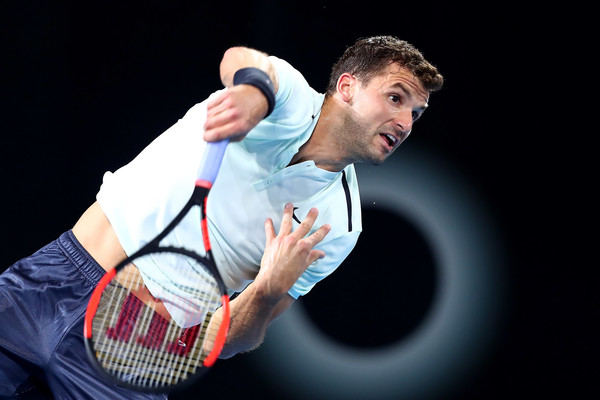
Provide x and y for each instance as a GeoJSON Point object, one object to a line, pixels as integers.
{"type": "Point", "coordinates": [211, 162]}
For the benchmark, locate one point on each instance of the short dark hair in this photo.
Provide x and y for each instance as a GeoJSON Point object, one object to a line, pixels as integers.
{"type": "Point", "coordinates": [367, 57]}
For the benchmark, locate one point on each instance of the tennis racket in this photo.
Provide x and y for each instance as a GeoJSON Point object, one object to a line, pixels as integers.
{"type": "Point", "coordinates": [154, 342]}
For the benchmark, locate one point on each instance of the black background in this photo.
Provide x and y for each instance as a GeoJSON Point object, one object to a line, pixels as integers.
{"type": "Point", "coordinates": [86, 86]}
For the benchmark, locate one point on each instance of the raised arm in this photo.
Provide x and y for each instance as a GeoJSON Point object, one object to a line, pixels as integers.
{"type": "Point", "coordinates": [237, 58]}
{"type": "Point", "coordinates": [232, 113]}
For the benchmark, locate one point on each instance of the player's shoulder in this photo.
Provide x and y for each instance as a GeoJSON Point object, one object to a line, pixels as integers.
{"type": "Point", "coordinates": [290, 78]}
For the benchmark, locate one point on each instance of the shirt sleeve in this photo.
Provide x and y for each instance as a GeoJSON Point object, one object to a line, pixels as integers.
{"type": "Point", "coordinates": [336, 252]}
{"type": "Point", "coordinates": [295, 103]}
{"type": "Point", "coordinates": [335, 208]}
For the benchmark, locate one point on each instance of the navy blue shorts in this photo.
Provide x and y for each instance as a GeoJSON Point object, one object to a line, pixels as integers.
{"type": "Point", "coordinates": [43, 299]}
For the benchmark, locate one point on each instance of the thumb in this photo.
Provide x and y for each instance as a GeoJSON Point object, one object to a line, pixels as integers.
{"type": "Point", "coordinates": [316, 255]}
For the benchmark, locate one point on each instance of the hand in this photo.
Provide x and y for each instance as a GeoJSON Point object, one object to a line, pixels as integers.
{"type": "Point", "coordinates": [288, 254]}
{"type": "Point", "coordinates": [232, 113]}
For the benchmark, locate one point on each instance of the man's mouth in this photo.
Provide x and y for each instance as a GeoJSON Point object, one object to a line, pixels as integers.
{"type": "Point", "coordinates": [391, 139]}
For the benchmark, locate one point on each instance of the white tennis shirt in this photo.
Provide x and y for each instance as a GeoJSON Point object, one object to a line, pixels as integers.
{"type": "Point", "coordinates": [254, 183]}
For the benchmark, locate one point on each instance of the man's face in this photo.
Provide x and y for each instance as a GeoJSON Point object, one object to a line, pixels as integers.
{"type": "Point", "coordinates": [383, 112]}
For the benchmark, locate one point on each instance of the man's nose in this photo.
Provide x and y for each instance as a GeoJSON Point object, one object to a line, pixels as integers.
{"type": "Point", "coordinates": [404, 120]}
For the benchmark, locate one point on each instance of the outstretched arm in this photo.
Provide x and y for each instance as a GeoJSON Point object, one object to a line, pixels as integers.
{"type": "Point", "coordinates": [232, 113]}
{"type": "Point", "coordinates": [287, 255]}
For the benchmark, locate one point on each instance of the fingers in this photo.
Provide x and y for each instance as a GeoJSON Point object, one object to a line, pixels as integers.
{"type": "Point", "coordinates": [307, 223]}
{"type": "Point", "coordinates": [232, 113]}
{"type": "Point", "coordinates": [316, 255]}
{"type": "Point", "coordinates": [223, 123]}
{"type": "Point", "coordinates": [286, 221]}
{"type": "Point", "coordinates": [305, 226]}
{"type": "Point", "coordinates": [214, 101]}
{"type": "Point", "coordinates": [290, 252]}
{"type": "Point", "coordinates": [269, 230]}
{"type": "Point", "coordinates": [229, 131]}
{"type": "Point", "coordinates": [318, 235]}
{"type": "Point", "coordinates": [222, 119]}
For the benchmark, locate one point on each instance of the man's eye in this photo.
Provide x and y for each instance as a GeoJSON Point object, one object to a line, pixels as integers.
{"type": "Point", "coordinates": [394, 98]}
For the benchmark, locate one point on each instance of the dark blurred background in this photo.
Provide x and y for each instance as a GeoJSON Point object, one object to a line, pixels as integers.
{"type": "Point", "coordinates": [86, 85]}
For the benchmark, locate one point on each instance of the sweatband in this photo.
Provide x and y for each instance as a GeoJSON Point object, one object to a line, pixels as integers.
{"type": "Point", "coordinates": [260, 80]}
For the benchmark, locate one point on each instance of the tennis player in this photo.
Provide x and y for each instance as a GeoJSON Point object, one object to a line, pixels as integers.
{"type": "Point", "coordinates": [291, 161]}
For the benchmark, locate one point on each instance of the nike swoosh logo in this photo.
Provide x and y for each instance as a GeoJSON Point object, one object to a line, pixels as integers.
{"type": "Point", "coordinates": [294, 215]}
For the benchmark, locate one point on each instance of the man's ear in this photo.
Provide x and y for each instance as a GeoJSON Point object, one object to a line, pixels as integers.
{"type": "Point", "coordinates": [346, 86]}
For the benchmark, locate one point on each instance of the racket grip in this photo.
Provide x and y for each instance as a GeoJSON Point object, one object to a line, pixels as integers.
{"type": "Point", "coordinates": [211, 161]}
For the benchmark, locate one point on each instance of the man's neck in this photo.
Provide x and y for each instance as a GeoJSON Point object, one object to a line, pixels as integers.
{"type": "Point", "coordinates": [321, 146]}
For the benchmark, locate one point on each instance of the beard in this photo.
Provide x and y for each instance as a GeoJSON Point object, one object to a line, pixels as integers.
{"type": "Point", "coordinates": [357, 141]}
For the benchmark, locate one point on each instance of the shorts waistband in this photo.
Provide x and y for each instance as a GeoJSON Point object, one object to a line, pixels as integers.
{"type": "Point", "coordinates": [80, 257]}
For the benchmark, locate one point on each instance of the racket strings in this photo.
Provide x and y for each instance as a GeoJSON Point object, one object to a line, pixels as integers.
{"type": "Point", "coordinates": [139, 341]}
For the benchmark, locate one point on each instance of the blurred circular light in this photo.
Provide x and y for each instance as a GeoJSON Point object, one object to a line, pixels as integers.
{"type": "Point", "coordinates": [466, 314]}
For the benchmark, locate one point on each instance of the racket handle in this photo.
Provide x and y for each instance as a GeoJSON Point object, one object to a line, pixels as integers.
{"type": "Point", "coordinates": [211, 161]}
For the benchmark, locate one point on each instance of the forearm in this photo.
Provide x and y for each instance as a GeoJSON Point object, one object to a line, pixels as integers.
{"type": "Point", "coordinates": [232, 113]}
{"type": "Point", "coordinates": [251, 315]}
{"type": "Point", "coordinates": [236, 58]}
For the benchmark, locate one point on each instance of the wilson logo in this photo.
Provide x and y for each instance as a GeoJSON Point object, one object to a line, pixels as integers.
{"type": "Point", "coordinates": [154, 338]}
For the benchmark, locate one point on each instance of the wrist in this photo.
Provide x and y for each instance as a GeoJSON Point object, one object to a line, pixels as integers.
{"type": "Point", "coordinates": [264, 294]}
{"type": "Point", "coordinates": [259, 79]}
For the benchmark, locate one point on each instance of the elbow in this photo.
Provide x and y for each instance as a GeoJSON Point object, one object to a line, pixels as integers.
{"type": "Point", "coordinates": [235, 52]}
{"type": "Point", "coordinates": [233, 59]}
{"type": "Point", "coordinates": [230, 351]}
{"type": "Point", "coordinates": [239, 57]}
{"type": "Point", "coordinates": [226, 355]}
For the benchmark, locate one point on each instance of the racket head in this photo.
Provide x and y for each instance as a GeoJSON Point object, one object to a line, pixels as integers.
{"type": "Point", "coordinates": [155, 343]}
